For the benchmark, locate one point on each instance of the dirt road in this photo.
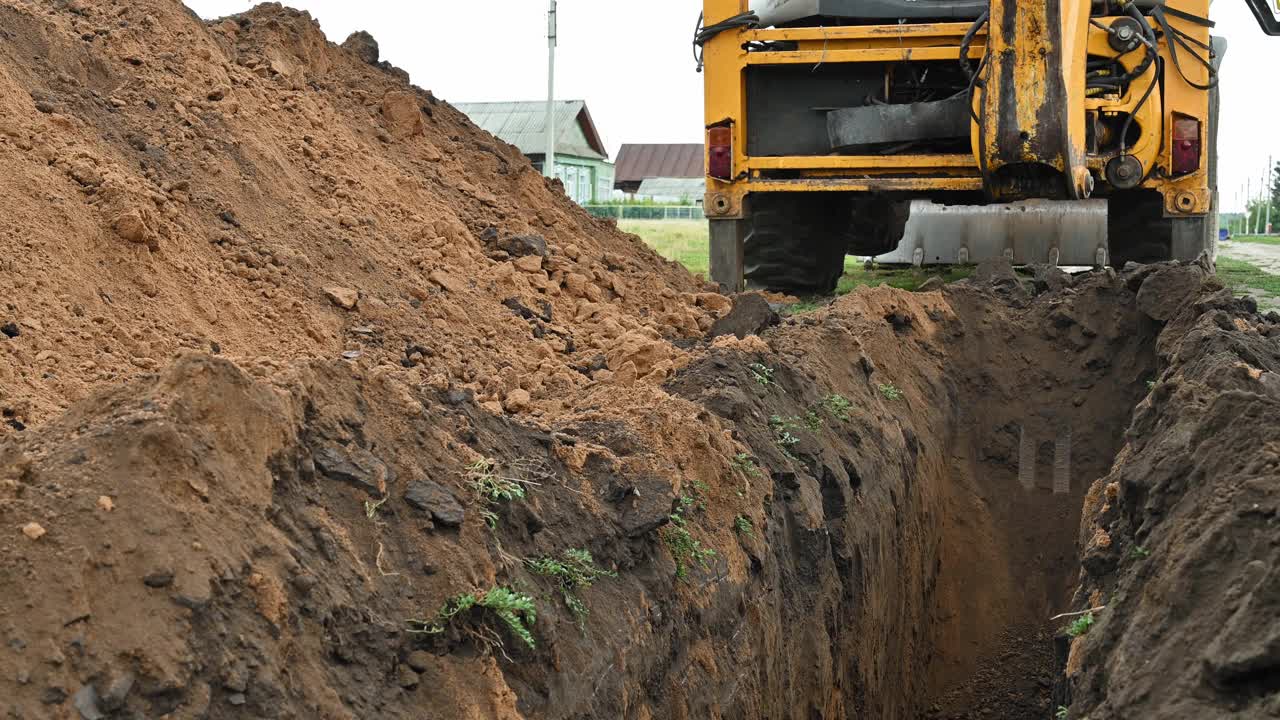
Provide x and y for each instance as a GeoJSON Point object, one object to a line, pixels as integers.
{"type": "Point", "coordinates": [1266, 257]}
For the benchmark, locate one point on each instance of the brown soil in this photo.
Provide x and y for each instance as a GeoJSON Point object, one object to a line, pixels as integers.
{"type": "Point", "coordinates": [270, 313]}
{"type": "Point", "coordinates": [1180, 539]}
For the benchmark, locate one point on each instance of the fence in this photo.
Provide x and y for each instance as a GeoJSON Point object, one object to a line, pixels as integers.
{"type": "Point", "coordinates": [647, 212]}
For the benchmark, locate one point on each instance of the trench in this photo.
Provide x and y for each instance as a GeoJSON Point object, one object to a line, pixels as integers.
{"type": "Point", "coordinates": [936, 534]}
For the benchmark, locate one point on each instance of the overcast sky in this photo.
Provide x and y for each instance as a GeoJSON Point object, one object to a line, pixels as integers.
{"type": "Point", "coordinates": [632, 63]}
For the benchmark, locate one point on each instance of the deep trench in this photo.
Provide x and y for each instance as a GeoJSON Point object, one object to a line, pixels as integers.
{"type": "Point", "coordinates": [934, 536]}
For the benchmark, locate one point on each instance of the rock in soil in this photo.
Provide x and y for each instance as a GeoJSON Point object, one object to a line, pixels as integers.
{"type": "Point", "coordinates": [435, 500]}
{"type": "Point", "coordinates": [751, 314]}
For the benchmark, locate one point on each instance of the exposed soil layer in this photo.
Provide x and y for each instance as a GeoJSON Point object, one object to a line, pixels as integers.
{"type": "Point", "coordinates": [294, 356]}
{"type": "Point", "coordinates": [241, 564]}
{"type": "Point", "coordinates": [1180, 540]}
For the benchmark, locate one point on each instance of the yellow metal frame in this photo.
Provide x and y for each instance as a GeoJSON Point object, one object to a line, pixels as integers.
{"type": "Point", "coordinates": [726, 63]}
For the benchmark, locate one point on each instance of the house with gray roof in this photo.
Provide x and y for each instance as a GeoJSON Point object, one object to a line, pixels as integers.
{"type": "Point", "coordinates": [582, 163]}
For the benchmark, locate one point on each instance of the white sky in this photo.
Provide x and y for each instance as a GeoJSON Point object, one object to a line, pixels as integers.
{"type": "Point", "coordinates": [632, 63]}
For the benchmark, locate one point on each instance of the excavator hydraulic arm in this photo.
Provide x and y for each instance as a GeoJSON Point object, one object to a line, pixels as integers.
{"type": "Point", "coordinates": [1030, 131]}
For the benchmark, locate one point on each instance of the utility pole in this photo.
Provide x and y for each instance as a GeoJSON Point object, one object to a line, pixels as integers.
{"type": "Point", "coordinates": [1248, 197]}
{"type": "Point", "coordinates": [549, 162]}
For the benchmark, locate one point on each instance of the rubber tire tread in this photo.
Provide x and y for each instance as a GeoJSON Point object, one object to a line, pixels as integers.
{"type": "Point", "coordinates": [796, 243]}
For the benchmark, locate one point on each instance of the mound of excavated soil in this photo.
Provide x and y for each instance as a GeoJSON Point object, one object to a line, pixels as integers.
{"type": "Point", "coordinates": [315, 397]}
{"type": "Point", "coordinates": [248, 189]}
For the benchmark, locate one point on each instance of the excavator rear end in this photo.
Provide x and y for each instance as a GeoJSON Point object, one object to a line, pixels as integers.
{"type": "Point", "coordinates": [950, 131]}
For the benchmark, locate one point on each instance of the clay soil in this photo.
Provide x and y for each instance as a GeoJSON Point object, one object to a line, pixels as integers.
{"type": "Point", "coordinates": [276, 323]}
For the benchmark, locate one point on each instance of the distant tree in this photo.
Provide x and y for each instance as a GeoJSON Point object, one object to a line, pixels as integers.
{"type": "Point", "coordinates": [1275, 188]}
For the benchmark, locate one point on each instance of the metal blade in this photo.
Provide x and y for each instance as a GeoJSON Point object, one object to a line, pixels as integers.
{"type": "Point", "coordinates": [1071, 232]}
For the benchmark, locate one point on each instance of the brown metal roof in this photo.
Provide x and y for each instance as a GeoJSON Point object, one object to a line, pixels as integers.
{"type": "Point", "coordinates": [637, 162]}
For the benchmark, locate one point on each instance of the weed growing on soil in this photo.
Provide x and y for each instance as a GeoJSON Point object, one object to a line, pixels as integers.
{"type": "Point", "coordinates": [1063, 713]}
{"type": "Point", "coordinates": [371, 508]}
{"type": "Point", "coordinates": [890, 391]}
{"type": "Point", "coordinates": [685, 548]}
{"type": "Point", "coordinates": [1138, 552]}
{"type": "Point", "coordinates": [743, 463]}
{"type": "Point", "coordinates": [813, 421]}
{"type": "Point", "coordinates": [782, 434]}
{"type": "Point", "coordinates": [762, 373]}
{"type": "Point", "coordinates": [574, 570]}
{"type": "Point", "coordinates": [492, 487]}
{"type": "Point", "coordinates": [488, 485]}
{"type": "Point", "coordinates": [747, 468]}
{"type": "Point", "coordinates": [838, 406]}
{"type": "Point", "coordinates": [742, 524]}
{"type": "Point", "coordinates": [515, 610]}
{"type": "Point", "coordinates": [1080, 625]}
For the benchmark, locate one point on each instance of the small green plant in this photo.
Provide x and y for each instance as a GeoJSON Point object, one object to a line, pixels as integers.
{"type": "Point", "coordinates": [813, 421]}
{"type": "Point", "coordinates": [1080, 625]}
{"type": "Point", "coordinates": [1139, 553]}
{"type": "Point", "coordinates": [371, 508]}
{"type": "Point", "coordinates": [743, 463]}
{"type": "Point", "coordinates": [1151, 384]}
{"type": "Point", "coordinates": [762, 373]}
{"type": "Point", "coordinates": [1062, 713]}
{"type": "Point", "coordinates": [516, 611]}
{"type": "Point", "coordinates": [574, 570]}
{"type": "Point", "coordinates": [492, 487]}
{"type": "Point", "coordinates": [890, 391]}
{"type": "Point", "coordinates": [685, 548]}
{"type": "Point", "coordinates": [782, 433]}
{"type": "Point", "coordinates": [838, 406]}
{"type": "Point", "coordinates": [742, 525]}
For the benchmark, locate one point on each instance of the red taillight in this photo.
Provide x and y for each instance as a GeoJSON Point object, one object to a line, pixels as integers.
{"type": "Point", "coordinates": [1186, 144]}
{"type": "Point", "coordinates": [720, 153]}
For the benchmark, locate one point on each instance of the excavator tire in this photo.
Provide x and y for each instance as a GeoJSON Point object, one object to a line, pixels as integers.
{"type": "Point", "coordinates": [796, 242]}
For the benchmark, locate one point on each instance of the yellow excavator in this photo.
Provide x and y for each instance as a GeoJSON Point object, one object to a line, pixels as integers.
{"type": "Point", "coordinates": [922, 132]}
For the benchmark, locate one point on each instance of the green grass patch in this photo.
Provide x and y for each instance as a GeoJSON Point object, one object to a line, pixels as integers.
{"type": "Point", "coordinates": [684, 241]}
{"type": "Point", "coordinates": [1257, 239]}
{"type": "Point", "coordinates": [857, 275]}
{"type": "Point", "coordinates": [1242, 277]}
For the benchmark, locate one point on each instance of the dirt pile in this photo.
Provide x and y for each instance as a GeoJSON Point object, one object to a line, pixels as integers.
{"type": "Point", "coordinates": [1180, 539]}
{"type": "Point", "coordinates": [247, 188]}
